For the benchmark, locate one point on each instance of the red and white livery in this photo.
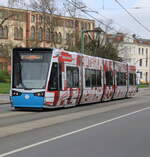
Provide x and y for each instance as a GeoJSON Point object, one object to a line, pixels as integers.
{"type": "Point", "coordinates": [71, 79]}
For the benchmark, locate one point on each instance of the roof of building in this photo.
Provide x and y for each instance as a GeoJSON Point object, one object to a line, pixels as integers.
{"type": "Point", "coordinates": [25, 10]}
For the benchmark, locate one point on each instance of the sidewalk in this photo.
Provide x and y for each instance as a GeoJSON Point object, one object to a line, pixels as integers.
{"type": "Point", "coordinates": [4, 99]}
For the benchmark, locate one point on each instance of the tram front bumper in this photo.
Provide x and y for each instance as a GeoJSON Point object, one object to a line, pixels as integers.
{"type": "Point", "coordinates": [27, 100]}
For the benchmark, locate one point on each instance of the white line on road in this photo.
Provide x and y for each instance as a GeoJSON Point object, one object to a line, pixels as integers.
{"type": "Point", "coordinates": [71, 133]}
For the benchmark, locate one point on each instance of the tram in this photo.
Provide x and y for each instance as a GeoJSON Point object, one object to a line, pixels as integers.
{"type": "Point", "coordinates": [51, 78]}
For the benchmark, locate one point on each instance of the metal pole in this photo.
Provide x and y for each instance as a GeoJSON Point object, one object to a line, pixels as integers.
{"type": "Point", "coordinates": [82, 41]}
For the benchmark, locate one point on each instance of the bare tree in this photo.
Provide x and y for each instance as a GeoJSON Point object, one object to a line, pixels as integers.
{"type": "Point", "coordinates": [74, 7]}
{"type": "Point", "coordinates": [6, 48]}
{"type": "Point", "coordinates": [47, 9]}
{"type": "Point", "coordinates": [8, 14]}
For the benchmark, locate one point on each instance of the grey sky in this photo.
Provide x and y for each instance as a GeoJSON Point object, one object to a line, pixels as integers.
{"type": "Point", "coordinates": [122, 21]}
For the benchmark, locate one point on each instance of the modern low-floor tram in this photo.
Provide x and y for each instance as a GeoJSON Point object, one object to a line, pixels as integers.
{"type": "Point", "coordinates": [51, 78]}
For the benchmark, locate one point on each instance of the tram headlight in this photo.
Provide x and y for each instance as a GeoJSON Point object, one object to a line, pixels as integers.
{"type": "Point", "coordinates": [39, 94]}
{"type": "Point", "coordinates": [15, 93]}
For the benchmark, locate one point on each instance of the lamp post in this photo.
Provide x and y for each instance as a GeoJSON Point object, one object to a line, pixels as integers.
{"type": "Point", "coordinates": [82, 37]}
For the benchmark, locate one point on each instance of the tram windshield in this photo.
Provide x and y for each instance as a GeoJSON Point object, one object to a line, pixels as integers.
{"type": "Point", "coordinates": [30, 69]}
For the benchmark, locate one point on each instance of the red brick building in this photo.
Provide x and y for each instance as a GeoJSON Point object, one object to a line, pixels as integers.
{"type": "Point", "coordinates": [25, 28]}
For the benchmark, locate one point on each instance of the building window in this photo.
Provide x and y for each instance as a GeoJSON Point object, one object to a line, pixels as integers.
{"type": "Point", "coordinates": [146, 51]}
{"type": "Point", "coordinates": [5, 32]}
{"type": "Point", "coordinates": [20, 34]}
{"type": "Point", "coordinates": [146, 78]}
{"type": "Point", "coordinates": [69, 39]}
{"type": "Point", "coordinates": [142, 51]}
{"type": "Point", "coordinates": [146, 57]}
{"type": "Point", "coordinates": [16, 33]}
{"type": "Point", "coordinates": [48, 20]}
{"type": "Point", "coordinates": [141, 75]}
{"type": "Point", "coordinates": [59, 38]}
{"type": "Point", "coordinates": [51, 36]}
{"type": "Point", "coordinates": [40, 19]}
{"type": "Point", "coordinates": [55, 37]}
{"type": "Point", "coordinates": [48, 35]}
{"type": "Point", "coordinates": [32, 33]}
{"type": "Point", "coordinates": [146, 62]}
{"type": "Point", "coordinates": [1, 32]}
{"type": "Point", "coordinates": [72, 39]}
{"type": "Point", "coordinates": [40, 34]}
{"type": "Point", "coordinates": [33, 18]}
{"type": "Point", "coordinates": [140, 63]}
{"type": "Point", "coordinates": [139, 51]}
{"type": "Point", "coordinates": [89, 26]}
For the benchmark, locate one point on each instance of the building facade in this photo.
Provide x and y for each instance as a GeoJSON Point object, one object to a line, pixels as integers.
{"type": "Point", "coordinates": [137, 52]}
{"type": "Point", "coordinates": [25, 28]}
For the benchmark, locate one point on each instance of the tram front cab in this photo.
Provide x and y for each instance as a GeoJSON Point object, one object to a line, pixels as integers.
{"type": "Point", "coordinates": [30, 69]}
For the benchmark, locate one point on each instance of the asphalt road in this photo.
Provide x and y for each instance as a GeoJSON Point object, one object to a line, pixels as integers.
{"type": "Point", "coordinates": [116, 129]}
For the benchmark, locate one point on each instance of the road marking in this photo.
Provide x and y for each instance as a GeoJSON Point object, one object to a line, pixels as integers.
{"type": "Point", "coordinates": [71, 133]}
{"type": "Point", "coordinates": [45, 122]}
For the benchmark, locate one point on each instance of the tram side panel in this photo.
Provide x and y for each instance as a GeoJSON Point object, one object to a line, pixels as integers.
{"type": "Point", "coordinates": [121, 81]}
{"type": "Point", "coordinates": [92, 79]}
{"type": "Point", "coordinates": [68, 78]}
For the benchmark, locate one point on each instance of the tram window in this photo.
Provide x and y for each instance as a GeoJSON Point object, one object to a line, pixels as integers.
{"type": "Point", "coordinates": [124, 79]}
{"type": "Point", "coordinates": [93, 76]}
{"type": "Point", "coordinates": [55, 82]}
{"type": "Point", "coordinates": [131, 79]}
{"type": "Point", "coordinates": [118, 78]}
{"type": "Point", "coordinates": [88, 78]}
{"type": "Point", "coordinates": [134, 79]}
{"type": "Point", "coordinates": [109, 78]}
{"type": "Point", "coordinates": [121, 79]}
{"type": "Point", "coordinates": [72, 77]}
{"type": "Point", "coordinates": [98, 78]}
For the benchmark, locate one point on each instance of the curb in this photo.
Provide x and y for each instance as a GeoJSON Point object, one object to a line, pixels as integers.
{"type": "Point", "coordinates": [4, 102]}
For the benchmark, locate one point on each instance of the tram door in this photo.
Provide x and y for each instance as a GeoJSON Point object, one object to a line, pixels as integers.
{"type": "Point", "coordinates": [108, 80]}
{"type": "Point", "coordinates": [72, 85]}
{"type": "Point", "coordinates": [92, 80]}
{"type": "Point", "coordinates": [121, 70]}
{"type": "Point", "coordinates": [131, 81]}
{"type": "Point", "coordinates": [64, 81]}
